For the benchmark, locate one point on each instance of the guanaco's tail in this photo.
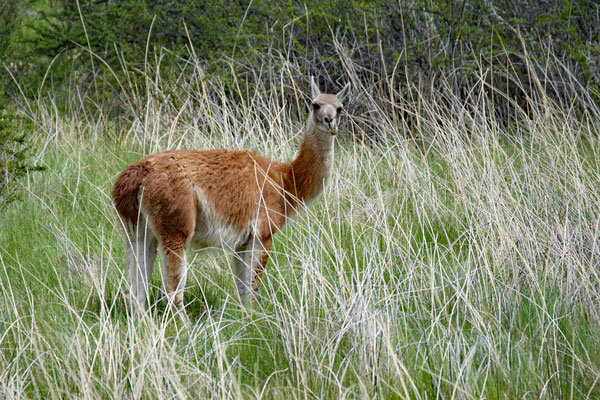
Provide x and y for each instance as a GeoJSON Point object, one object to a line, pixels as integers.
{"type": "Point", "coordinates": [125, 192]}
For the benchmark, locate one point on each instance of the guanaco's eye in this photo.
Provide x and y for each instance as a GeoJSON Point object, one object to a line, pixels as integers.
{"type": "Point", "coordinates": [339, 110]}
{"type": "Point", "coordinates": [315, 106]}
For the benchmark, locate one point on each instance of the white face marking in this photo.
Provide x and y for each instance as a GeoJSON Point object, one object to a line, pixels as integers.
{"type": "Point", "coordinates": [326, 112]}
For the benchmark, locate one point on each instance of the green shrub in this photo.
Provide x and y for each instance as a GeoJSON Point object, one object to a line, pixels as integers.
{"type": "Point", "coordinates": [15, 156]}
{"type": "Point", "coordinates": [438, 48]}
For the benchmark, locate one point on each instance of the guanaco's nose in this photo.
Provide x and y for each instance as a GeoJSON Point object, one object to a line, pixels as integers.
{"type": "Point", "coordinates": [327, 119]}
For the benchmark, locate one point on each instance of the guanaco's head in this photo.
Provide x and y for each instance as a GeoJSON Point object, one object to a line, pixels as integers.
{"type": "Point", "coordinates": [326, 108]}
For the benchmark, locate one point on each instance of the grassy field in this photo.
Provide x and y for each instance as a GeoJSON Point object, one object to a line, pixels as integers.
{"type": "Point", "coordinates": [462, 265]}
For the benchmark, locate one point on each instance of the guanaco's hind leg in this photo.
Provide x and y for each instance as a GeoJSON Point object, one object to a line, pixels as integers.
{"type": "Point", "coordinates": [141, 252]}
{"type": "Point", "coordinates": [170, 204]}
{"type": "Point", "coordinates": [249, 265]}
{"type": "Point", "coordinates": [259, 267]}
{"type": "Point", "coordinates": [174, 277]}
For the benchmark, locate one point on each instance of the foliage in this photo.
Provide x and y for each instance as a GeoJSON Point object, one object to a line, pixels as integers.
{"type": "Point", "coordinates": [8, 27]}
{"type": "Point", "coordinates": [15, 154]}
{"type": "Point", "coordinates": [8, 23]}
{"type": "Point", "coordinates": [404, 46]}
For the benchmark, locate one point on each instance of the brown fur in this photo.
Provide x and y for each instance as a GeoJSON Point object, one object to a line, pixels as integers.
{"type": "Point", "coordinates": [125, 192]}
{"type": "Point", "coordinates": [245, 197]}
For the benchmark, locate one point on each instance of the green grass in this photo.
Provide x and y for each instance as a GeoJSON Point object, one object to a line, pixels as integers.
{"type": "Point", "coordinates": [468, 270]}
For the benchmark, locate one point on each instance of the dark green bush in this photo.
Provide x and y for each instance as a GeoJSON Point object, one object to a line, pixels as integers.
{"type": "Point", "coordinates": [15, 156]}
{"type": "Point", "coordinates": [438, 48]}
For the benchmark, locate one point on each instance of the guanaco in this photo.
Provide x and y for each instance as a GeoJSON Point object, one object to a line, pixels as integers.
{"type": "Point", "coordinates": [220, 198]}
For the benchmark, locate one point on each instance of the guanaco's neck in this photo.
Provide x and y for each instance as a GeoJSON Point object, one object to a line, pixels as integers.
{"type": "Point", "coordinates": [310, 171]}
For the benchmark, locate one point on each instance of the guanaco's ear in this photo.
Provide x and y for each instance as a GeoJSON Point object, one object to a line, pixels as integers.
{"type": "Point", "coordinates": [314, 89]}
{"type": "Point", "coordinates": [342, 93]}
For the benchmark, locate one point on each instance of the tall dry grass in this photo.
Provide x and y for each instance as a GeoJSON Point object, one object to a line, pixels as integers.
{"type": "Point", "coordinates": [453, 256]}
